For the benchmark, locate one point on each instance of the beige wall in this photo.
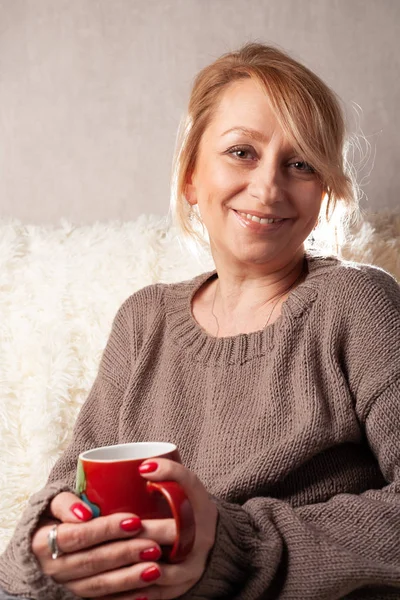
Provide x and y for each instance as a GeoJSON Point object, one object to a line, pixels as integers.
{"type": "Point", "coordinates": [91, 91]}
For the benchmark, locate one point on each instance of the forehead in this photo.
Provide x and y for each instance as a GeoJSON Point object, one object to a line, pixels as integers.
{"type": "Point", "coordinates": [243, 104]}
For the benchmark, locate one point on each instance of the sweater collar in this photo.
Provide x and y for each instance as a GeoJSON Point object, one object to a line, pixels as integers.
{"type": "Point", "coordinates": [240, 348]}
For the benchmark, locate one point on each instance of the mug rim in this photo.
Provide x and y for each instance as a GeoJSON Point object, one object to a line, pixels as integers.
{"type": "Point", "coordinates": [167, 448]}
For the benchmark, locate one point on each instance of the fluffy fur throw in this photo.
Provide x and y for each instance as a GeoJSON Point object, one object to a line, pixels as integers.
{"type": "Point", "coordinates": [60, 288]}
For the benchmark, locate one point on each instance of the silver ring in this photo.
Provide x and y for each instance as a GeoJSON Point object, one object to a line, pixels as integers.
{"type": "Point", "coordinates": [52, 543]}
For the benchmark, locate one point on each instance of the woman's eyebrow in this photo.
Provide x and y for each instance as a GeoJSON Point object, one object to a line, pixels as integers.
{"type": "Point", "coordinates": [253, 133]}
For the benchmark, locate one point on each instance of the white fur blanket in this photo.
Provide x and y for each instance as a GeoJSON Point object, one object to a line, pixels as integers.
{"type": "Point", "coordinates": [60, 288]}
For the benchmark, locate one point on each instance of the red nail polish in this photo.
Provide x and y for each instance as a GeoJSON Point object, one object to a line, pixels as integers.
{"type": "Point", "coordinates": [142, 598]}
{"type": "Point", "coordinates": [150, 554]}
{"type": "Point", "coordinates": [150, 574]}
{"type": "Point", "coordinates": [81, 512]}
{"type": "Point", "coordinates": [148, 467]}
{"type": "Point", "coordinates": [131, 524]}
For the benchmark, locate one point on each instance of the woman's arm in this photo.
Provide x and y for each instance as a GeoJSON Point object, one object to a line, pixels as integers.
{"type": "Point", "coordinates": [96, 425]}
{"type": "Point", "coordinates": [267, 549]}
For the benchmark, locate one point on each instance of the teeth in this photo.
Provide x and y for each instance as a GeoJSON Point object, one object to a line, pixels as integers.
{"type": "Point", "coordinates": [259, 220]}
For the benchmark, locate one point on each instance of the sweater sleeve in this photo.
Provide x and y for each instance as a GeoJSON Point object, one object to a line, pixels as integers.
{"type": "Point", "coordinates": [97, 425]}
{"type": "Point", "coordinates": [267, 548]}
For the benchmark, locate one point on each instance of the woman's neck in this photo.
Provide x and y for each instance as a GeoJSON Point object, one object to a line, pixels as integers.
{"type": "Point", "coordinates": [241, 302]}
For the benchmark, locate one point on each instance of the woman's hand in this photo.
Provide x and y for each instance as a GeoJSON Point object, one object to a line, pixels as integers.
{"type": "Point", "coordinates": [103, 560]}
{"type": "Point", "coordinates": [176, 580]}
{"type": "Point", "coordinates": [99, 555]}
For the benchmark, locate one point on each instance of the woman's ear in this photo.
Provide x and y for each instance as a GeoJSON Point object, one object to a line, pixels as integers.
{"type": "Point", "coordinates": [190, 190]}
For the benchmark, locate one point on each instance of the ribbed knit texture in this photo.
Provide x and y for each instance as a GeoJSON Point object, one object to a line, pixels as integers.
{"type": "Point", "coordinates": [294, 430]}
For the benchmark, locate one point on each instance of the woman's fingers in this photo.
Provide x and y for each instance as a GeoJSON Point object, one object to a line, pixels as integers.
{"type": "Point", "coordinates": [204, 509]}
{"type": "Point", "coordinates": [154, 582]}
{"type": "Point", "coordinates": [151, 593]}
{"type": "Point", "coordinates": [104, 558]}
{"type": "Point", "coordinates": [74, 537]}
{"type": "Point", "coordinates": [163, 469]}
{"type": "Point", "coordinates": [170, 581]}
{"type": "Point", "coordinates": [111, 583]}
{"type": "Point", "coordinates": [69, 508]}
{"type": "Point", "coordinates": [162, 531]}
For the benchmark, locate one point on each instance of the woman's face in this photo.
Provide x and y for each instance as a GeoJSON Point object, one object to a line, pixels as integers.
{"type": "Point", "coordinates": [257, 197]}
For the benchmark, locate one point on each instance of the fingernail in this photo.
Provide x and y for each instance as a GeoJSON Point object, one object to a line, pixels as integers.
{"type": "Point", "coordinates": [150, 554]}
{"type": "Point", "coordinates": [148, 467]}
{"type": "Point", "coordinates": [150, 574]}
{"type": "Point", "coordinates": [142, 598]}
{"type": "Point", "coordinates": [131, 524]}
{"type": "Point", "coordinates": [81, 512]}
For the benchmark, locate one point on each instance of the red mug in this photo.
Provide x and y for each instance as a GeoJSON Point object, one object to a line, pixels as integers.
{"type": "Point", "coordinates": [108, 480]}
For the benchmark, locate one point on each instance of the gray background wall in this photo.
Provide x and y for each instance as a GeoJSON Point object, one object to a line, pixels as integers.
{"type": "Point", "coordinates": [92, 91]}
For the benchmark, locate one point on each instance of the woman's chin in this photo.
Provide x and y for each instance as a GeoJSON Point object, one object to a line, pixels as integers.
{"type": "Point", "coordinates": [250, 257]}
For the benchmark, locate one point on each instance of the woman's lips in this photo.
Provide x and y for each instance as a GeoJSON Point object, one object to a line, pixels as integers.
{"type": "Point", "coordinates": [256, 223]}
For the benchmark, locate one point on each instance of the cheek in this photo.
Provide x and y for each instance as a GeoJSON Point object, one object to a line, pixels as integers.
{"type": "Point", "coordinates": [220, 176]}
{"type": "Point", "coordinates": [309, 202]}
{"type": "Point", "coordinates": [218, 185]}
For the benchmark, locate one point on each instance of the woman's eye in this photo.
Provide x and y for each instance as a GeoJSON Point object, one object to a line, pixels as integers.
{"type": "Point", "coordinates": [241, 152]}
{"type": "Point", "coordinates": [301, 165]}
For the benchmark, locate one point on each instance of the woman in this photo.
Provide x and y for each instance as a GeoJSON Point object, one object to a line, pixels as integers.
{"type": "Point", "coordinates": [277, 376]}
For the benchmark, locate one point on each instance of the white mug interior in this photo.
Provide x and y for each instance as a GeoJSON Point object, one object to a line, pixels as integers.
{"type": "Point", "coordinates": [133, 451]}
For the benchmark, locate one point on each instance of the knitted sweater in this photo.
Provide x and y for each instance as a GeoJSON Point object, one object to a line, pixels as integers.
{"type": "Point", "coordinates": [294, 430]}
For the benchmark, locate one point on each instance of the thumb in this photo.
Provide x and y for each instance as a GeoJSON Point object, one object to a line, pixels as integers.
{"type": "Point", "coordinates": [69, 508]}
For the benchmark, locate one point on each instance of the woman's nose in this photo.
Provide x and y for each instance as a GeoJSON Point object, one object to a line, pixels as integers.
{"type": "Point", "coordinates": [265, 184]}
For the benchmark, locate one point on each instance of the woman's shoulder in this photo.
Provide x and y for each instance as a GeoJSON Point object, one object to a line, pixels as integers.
{"type": "Point", "coordinates": [343, 284]}
{"type": "Point", "coordinates": [332, 270]}
{"type": "Point", "coordinates": [146, 310]}
{"type": "Point", "coordinates": [358, 315]}
{"type": "Point", "coordinates": [158, 292]}
{"type": "Point", "coordinates": [154, 301]}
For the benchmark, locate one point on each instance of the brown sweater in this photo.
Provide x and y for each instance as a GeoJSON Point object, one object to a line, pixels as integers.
{"type": "Point", "coordinates": [295, 430]}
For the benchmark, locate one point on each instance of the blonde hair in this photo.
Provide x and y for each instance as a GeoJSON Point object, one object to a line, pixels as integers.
{"type": "Point", "coordinates": [306, 108]}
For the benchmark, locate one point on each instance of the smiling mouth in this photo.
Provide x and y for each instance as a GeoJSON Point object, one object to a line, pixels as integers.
{"type": "Point", "coordinates": [262, 220]}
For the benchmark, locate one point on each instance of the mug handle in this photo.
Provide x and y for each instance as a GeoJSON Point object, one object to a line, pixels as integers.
{"type": "Point", "coordinates": [183, 514]}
